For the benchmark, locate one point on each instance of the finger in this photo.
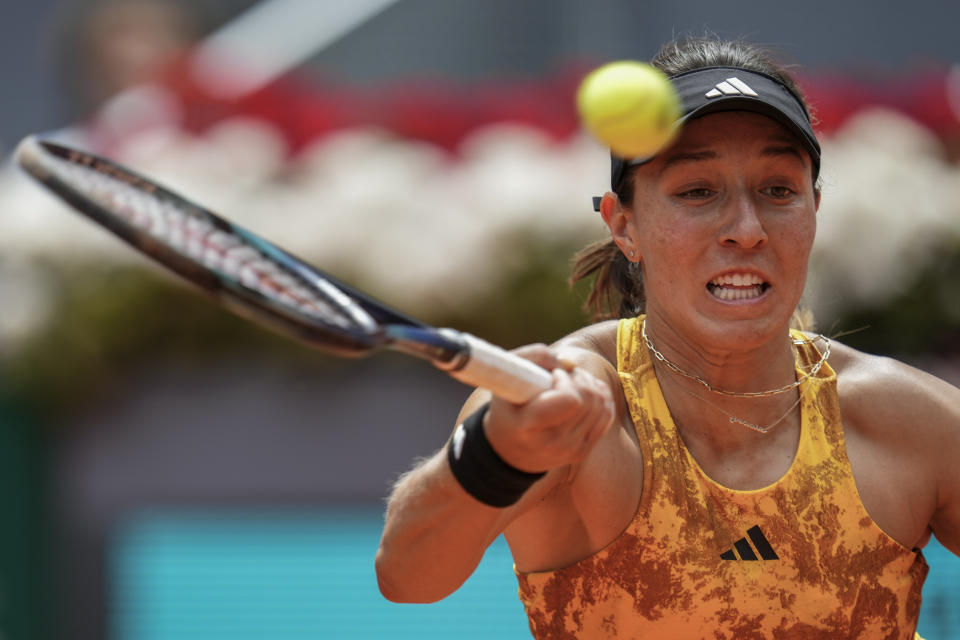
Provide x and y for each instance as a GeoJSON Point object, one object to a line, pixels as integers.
{"type": "Point", "coordinates": [564, 401]}
{"type": "Point", "coordinates": [596, 417]}
{"type": "Point", "coordinates": [546, 357]}
{"type": "Point", "coordinates": [598, 407]}
{"type": "Point", "coordinates": [566, 361]}
{"type": "Point", "coordinates": [570, 397]}
{"type": "Point", "coordinates": [599, 422]}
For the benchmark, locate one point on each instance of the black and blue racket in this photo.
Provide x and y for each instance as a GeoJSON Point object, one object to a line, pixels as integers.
{"type": "Point", "coordinates": [256, 278]}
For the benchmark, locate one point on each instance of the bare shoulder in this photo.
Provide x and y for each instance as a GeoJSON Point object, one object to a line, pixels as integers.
{"type": "Point", "coordinates": [901, 422]}
{"type": "Point", "coordinates": [902, 429]}
{"type": "Point", "coordinates": [884, 392]}
{"type": "Point", "coordinates": [599, 339]}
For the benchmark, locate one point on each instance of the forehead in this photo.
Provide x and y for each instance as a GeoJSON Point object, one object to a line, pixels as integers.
{"type": "Point", "coordinates": [735, 128]}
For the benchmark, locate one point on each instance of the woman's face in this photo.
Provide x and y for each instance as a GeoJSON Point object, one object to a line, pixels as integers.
{"type": "Point", "coordinates": [723, 222]}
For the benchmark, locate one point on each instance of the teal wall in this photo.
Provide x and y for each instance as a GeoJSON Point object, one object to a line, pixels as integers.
{"type": "Point", "coordinates": [292, 576]}
{"type": "Point", "coordinates": [287, 576]}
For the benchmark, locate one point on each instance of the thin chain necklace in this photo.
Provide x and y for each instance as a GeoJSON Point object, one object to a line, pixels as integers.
{"type": "Point", "coordinates": [742, 394]}
{"type": "Point", "coordinates": [750, 425]}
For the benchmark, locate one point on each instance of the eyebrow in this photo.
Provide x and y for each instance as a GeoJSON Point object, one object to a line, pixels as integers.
{"type": "Point", "coordinates": [772, 151]}
{"type": "Point", "coordinates": [783, 150]}
{"type": "Point", "coordinates": [688, 156]}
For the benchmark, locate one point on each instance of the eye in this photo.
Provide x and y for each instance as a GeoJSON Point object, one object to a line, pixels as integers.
{"type": "Point", "coordinates": [779, 192]}
{"type": "Point", "coordinates": [695, 194]}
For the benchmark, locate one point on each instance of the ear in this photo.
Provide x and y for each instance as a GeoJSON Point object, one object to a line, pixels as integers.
{"type": "Point", "coordinates": [619, 220]}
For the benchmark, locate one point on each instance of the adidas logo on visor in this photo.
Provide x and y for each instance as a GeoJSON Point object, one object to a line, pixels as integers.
{"type": "Point", "coordinates": [731, 87]}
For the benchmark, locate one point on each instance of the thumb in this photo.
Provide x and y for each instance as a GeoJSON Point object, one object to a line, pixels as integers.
{"type": "Point", "coordinates": [545, 357]}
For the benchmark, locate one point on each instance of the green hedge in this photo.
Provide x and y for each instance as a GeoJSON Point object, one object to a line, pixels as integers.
{"type": "Point", "coordinates": [110, 320]}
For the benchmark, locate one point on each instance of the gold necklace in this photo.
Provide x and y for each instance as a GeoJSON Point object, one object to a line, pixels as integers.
{"type": "Point", "coordinates": [742, 394]}
{"type": "Point", "coordinates": [750, 425]}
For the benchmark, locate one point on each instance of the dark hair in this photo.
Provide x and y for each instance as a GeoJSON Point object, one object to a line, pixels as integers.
{"type": "Point", "coordinates": [617, 289]}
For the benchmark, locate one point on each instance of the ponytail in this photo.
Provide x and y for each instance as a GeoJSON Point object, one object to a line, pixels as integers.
{"type": "Point", "coordinates": [617, 289]}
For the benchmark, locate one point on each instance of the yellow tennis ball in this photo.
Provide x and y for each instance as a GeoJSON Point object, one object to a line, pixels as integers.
{"type": "Point", "coordinates": [630, 107]}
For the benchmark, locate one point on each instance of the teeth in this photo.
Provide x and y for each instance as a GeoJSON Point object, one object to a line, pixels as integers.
{"type": "Point", "coordinates": [731, 293]}
{"type": "Point", "coordinates": [737, 280]}
{"type": "Point", "coordinates": [737, 286]}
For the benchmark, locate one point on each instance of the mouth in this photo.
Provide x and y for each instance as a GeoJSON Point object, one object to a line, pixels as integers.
{"type": "Point", "coordinates": [734, 285]}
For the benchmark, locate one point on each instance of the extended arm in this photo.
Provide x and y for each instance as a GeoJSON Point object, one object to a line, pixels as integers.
{"type": "Point", "coordinates": [436, 533]}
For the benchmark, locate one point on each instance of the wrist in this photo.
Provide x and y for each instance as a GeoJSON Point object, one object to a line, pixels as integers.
{"type": "Point", "coordinates": [480, 470]}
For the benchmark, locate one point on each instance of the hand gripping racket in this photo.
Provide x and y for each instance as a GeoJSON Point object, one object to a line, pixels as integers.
{"type": "Point", "coordinates": [256, 278]}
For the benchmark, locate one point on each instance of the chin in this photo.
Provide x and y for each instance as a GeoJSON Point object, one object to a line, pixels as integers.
{"type": "Point", "coordinates": [739, 326]}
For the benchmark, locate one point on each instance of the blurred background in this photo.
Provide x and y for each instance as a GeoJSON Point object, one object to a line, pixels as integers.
{"type": "Point", "coordinates": [168, 471]}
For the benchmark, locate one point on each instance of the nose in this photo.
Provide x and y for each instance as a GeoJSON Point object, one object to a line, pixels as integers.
{"type": "Point", "coordinates": [742, 224]}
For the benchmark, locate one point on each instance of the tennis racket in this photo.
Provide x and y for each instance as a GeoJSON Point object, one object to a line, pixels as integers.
{"type": "Point", "coordinates": [260, 280]}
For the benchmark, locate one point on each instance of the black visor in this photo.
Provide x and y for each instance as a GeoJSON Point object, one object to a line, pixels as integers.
{"type": "Point", "coordinates": [714, 89]}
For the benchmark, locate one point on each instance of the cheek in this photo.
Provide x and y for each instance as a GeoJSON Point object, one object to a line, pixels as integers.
{"type": "Point", "coordinates": [680, 239]}
{"type": "Point", "coordinates": [668, 255]}
{"type": "Point", "coordinates": [658, 232]}
{"type": "Point", "coordinates": [793, 253]}
{"type": "Point", "coordinates": [801, 236]}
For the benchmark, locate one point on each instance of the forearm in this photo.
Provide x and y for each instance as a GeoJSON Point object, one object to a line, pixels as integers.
{"type": "Point", "coordinates": [505, 462]}
{"type": "Point", "coordinates": [434, 536]}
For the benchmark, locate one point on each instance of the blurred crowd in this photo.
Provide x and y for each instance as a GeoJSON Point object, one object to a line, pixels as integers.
{"type": "Point", "coordinates": [435, 178]}
{"type": "Point", "coordinates": [431, 194]}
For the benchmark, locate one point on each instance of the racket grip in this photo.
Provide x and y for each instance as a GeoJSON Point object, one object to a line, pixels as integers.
{"type": "Point", "coordinates": [506, 375]}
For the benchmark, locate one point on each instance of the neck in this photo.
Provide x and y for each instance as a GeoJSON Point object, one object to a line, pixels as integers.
{"type": "Point", "coordinates": [726, 402]}
{"type": "Point", "coordinates": [732, 454]}
{"type": "Point", "coordinates": [738, 365]}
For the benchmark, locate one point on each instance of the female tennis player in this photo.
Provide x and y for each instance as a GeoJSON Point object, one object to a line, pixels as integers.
{"type": "Point", "coordinates": [700, 467]}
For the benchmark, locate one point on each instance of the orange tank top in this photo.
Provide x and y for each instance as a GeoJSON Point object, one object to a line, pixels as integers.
{"type": "Point", "coordinates": [800, 558]}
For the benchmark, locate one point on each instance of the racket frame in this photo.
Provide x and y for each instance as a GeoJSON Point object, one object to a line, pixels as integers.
{"type": "Point", "coordinates": [463, 356]}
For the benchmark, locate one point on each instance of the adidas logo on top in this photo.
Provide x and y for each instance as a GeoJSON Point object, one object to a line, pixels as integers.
{"type": "Point", "coordinates": [742, 550]}
{"type": "Point", "coordinates": [731, 87]}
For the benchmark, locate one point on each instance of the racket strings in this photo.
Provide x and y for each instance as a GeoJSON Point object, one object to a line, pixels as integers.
{"type": "Point", "coordinates": [194, 236]}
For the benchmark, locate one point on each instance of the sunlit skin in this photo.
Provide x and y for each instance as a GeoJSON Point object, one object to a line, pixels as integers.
{"type": "Point", "coordinates": [734, 195]}
{"type": "Point", "coordinates": [722, 224]}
